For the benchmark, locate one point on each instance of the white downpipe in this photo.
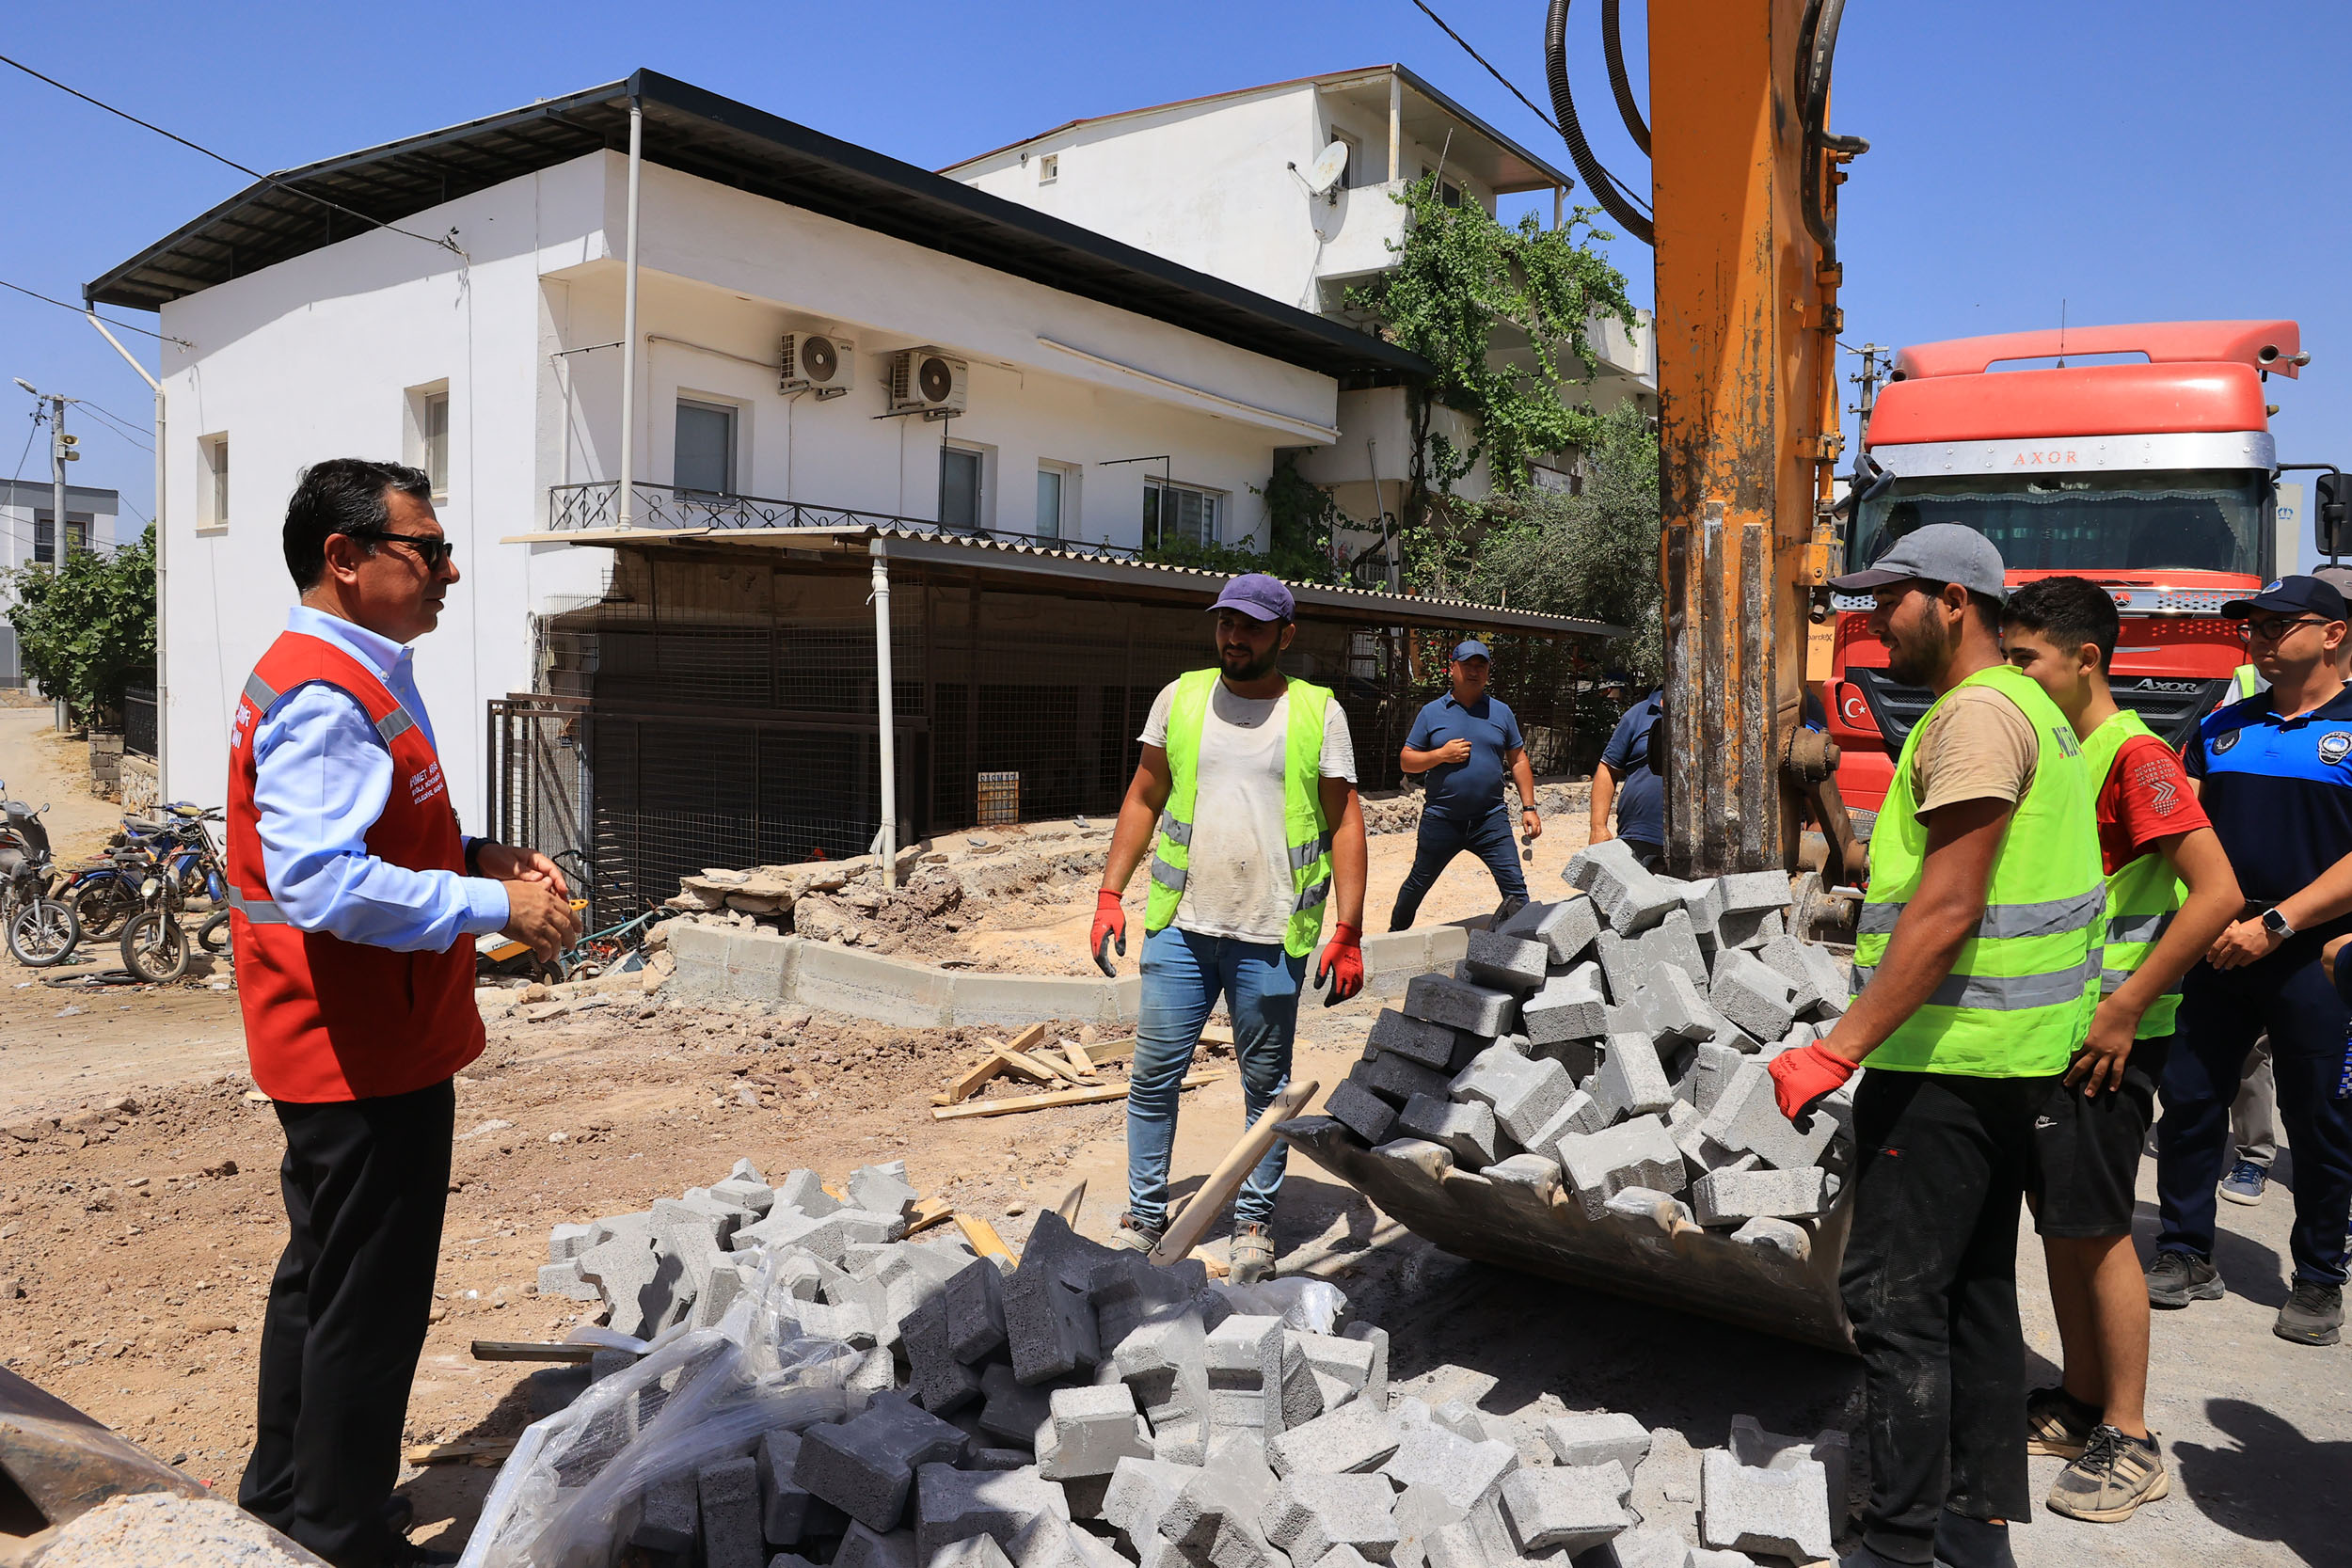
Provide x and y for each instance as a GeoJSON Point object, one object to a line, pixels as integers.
{"type": "Point", "coordinates": [887, 842]}
{"type": "Point", "coordinates": [163, 642]}
{"type": "Point", "coordinates": [627, 514]}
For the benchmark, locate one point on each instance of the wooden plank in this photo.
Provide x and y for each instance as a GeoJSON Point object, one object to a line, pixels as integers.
{"type": "Point", "coordinates": [1018, 1103]}
{"type": "Point", "coordinates": [928, 1212]}
{"type": "Point", "coordinates": [965, 1088]}
{"type": "Point", "coordinates": [984, 1238]}
{"type": "Point", "coordinates": [1109, 1051]}
{"type": "Point", "coordinates": [1216, 1033]}
{"type": "Point", "coordinates": [1049, 1069]}
{"type": "Point", "coordinates": [1027, 1038]}
{"type": "Point", "coordinates": [533, 1350]}
{"type": "Point", "coordinates": [1078, 1058]}
{"type": "Point", "coordinates": [459, 1454]}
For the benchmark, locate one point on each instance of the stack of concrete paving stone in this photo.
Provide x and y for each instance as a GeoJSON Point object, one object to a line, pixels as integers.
{"type": "Point", "coordinates": [1610, 1051]}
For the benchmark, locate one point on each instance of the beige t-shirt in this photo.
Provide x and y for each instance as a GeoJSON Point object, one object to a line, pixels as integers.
{"type": "Point", "coordinates": [1979, 746]}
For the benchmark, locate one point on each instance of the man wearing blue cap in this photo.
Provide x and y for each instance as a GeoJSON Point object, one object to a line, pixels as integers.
{"type": "Point", "coordinates": [1465, 741]}
{"type": "Point", "coordinates": [1249, 778]}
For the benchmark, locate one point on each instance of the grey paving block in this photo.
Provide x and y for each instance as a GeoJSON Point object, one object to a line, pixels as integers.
{"type": "Point", "coordinates": [754, 1197]}
{"type": "Point", "coordinates": [866, 1465]}
{"type": "Point", "coordinates": [803, 1191]}
{"type": "Point", "coordinates": [1711, 1065]}
{"type": "Point", "coordinates": [669, 1519]}
{"type": "Point", "coordinates": [1701, 1153]}
{"type": "Point", "coordinates": [1744, 892]}
{"type": "Point", "coordinates": [1632, 1080]}
{"type": "Point", "coordinates": [1579, 1112]}
{"type": "Point", "coordinates": [862, 1548]}
{"type": "Point", "coordinates": [642, 1284]}
{"type": "Point", "coordinates": [787, 1514]}
{"type": "Point", "coordinates": [1466, 1130]}
{"type": "Point", "coordinates": [1014, 1410]}
{"type": "Point", "coordinates": [882, 1188]}
{"type": "Point", "coordinates": [1089, 1430]}
{"type": "Point", "coordinates": [1748, 931]}
{"type": "Point", "coordinates": [1747, 1117]}
{"type": "Point", "coordinates": [1597, 1437]}
{"type": "Point", "coordinates": [1461, 1472]}
{"type": "Point", "coordinates": [1525, 1093]}
{"type": "Point", "coordinates": [720, 1291]}
{"type": "Point", "coordinates": [1376, 1389]}
{"type": "Point", "coordinates": [1432, 1045]}
{"type": "Point", "coordinates": [1628, 898]}
{"type": "Point", "coordinates": [1784, 1511]}
{"type": "Point", "coordinates": [1140, 1492]}
{"type": "Point", "coordinates": [1674, 941]}
{"type": "Point", "coordinates": [828, 1237]}
{"type": "Point", "coordinates": [1049, 1320]}
{"type": "Point", "coordinates": [1830, 981]}
{"type": "Point", "coordinates": [563, 1280]}
{"type": "Point", "coordinates": [979, 1551]}
{"type": "Point", "coordinates": [1310, 1516]}
{"type": "Point", "coordinates": [941, 1383]}
{"type": "Point", "coordinates": [1620, 968]}
{"type": "Point", "coordinates": [1048, 1542]}
{"type": "Point", "coordinates": [1751, 996]}
{"type": "Point", "coordinates": [1758, 1448]}
{"type": "Point", "coordinates": [1567, 1508]}
{"type": "Point", "coordinates": [1460, 1004]}
{"type": "Point", "coordinates": [1234, 1484]}
{"type": "Point", "coordinates": [974, 1303]}
{"type": "Point", "coordinates": [610, 1363]}
{"type": "Point", "coordinates": [1506, 962]}
{"type": "Point", "coordinates": [1566, 928]}
{"type": "Point", "coordinates": [1245, 1356]}
{"type": "Point", "coordinates": [1651, 1546]}
{"type": "Point", "coordinates": [1787, 1237]}
{"type": "Point", "coordinates": [1357, 1109]}
{"type": "Point", "coordinates": [1127, 1288]}
{"type": "Point", "coordinates": [1734, 1198]}
{"type": "Point", "coordinates": [1673, 1008]}
{"type": "Point", "coordinates": [1569, 1007]}
{"type": "Point", "coordinates": [568, 1241]}
{"type": "Point", "coordinates": [1465, 1421]}
{"type": "Point", "coordinates": [1357, 1437]}
{"type": "Point", "coordinates": [728, 1492]}
{"type": "Point", "coordinates": [952, 1505]}
{"type": "Point", "coordinates": [1635, 1153]}
{"type": "Point", "coordinates": [1397, 1080]}
{"type": "Point", "coordinates": [848, 1322]}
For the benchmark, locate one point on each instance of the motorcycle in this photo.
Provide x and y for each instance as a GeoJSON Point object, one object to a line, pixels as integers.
{"type": "Point", "coordinates": [42, 929]}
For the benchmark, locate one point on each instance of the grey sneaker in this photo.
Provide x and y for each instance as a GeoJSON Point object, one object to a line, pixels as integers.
{"type": "Point", "coordinates": [2314, 1314]}
{"type": "Point", "coordinates": [2112, 1477]}
{"type": "Point", "coordinates": [2245, 1183]}
{"type": "Point", "coordinates": [1252, 1255]}
{"type": "Point", "coordinates": [2177, 1278]}
{"type": "Point", "coordinates": [1137, 1237]}
{"type": "Point", "coordinates": [2057, 1424]}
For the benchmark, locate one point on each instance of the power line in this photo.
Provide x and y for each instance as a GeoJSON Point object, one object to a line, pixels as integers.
{"type": "Point", "coordinates": [121, 429]}
{"type": "Point", "coordinates": [19, 475]}
{"type": "Point", "coordinates": [445, 244]}
{"type": "Point", "coordinates": [78, 309]}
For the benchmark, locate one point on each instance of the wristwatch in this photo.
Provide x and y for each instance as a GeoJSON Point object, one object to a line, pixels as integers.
{"type": "Point", "coordinates": [2276, 924]}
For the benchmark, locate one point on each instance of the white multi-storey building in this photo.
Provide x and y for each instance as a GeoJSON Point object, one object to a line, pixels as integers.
{"type": "Point", "coordinates": [28, 535]}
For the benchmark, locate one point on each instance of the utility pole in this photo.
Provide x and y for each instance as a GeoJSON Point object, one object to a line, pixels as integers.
{"type": "Point", "coordinates": [60, 452]}
{"type": "Point", "coordinates": [1869, 378]}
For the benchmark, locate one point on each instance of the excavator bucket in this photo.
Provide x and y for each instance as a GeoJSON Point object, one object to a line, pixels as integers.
{"type": "Point", "coordinates": [1656, 1257]}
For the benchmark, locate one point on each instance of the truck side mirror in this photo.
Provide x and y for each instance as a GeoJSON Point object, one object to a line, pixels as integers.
{"type": "Point", "coordinates": [2332, 523]}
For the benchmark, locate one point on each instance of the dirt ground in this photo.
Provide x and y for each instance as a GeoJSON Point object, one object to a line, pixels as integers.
{"type": "Point", "coordinates": [40, 767]}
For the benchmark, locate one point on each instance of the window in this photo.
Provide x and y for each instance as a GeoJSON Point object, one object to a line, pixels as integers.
{"type": "Point", "coordinates": [1049, 169]}
{"type": "Point", "coordinates": [46, 537]}
{"type": "Point", "coordinates": [705, 458]}
{"type": "Point", "coordinates": [212, 497]}
{"type": "Point", "coordinates": [435, 431]}
{"type": "Point", "coordinates": [1057, 499]}
{"type": "Point", "coordinates": [1360, 172]}
{"type": "Point", "coordinates": [1180, 514]}
{"type": "Point", "coordinates": [960, 488]}
{"type": "Point", "coordinates": [1449, 196]}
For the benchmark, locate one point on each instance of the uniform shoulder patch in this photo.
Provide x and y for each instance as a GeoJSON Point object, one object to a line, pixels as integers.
{"type": "Point", "coordinates": [2223, 741]}
{"type": "Point", "coordinates": [2335, 745]}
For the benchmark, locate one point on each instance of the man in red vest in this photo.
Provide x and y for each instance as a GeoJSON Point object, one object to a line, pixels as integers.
{"type": "Point", "coordinates": [356, 901]}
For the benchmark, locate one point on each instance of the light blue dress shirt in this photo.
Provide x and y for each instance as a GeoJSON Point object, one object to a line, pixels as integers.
{"type": "Point", "coordinates": [322, 776]}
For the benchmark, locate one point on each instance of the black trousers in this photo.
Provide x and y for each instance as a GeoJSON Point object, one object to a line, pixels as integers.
{"type": "Point", "coordinates": [365, 1185]}
{"type": "Point", "coordinates": [1930, 1284]}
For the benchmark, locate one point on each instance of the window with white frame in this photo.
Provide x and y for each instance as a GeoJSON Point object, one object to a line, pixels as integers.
{"type": "Point", "coordinates": [1057, 499]}
{"type": "Point", "coordinates": [426, 435]}
{"type": "Point", "coordinates": [704, 457]}
{"type": "Point", "coordinates": [1359, 171]}
{"type": "Point", "coordinates": [212, 494]}
{"type": "Point", "coordinates": [1049, 169]}
{"type": "Point", "coordinates": [1177, 513]}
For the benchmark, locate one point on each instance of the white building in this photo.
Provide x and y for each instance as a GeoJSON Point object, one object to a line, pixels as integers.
{"type": "Point", "coordinates": [1223, 184]}
{"type": "Point", "coordinates": [29, 535]}
{"type": "Point", "coordinates": [1071, 394]}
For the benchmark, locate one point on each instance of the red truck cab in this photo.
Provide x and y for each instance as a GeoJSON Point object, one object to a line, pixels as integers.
{"type": "Point", "coordinates": [2151, 471]}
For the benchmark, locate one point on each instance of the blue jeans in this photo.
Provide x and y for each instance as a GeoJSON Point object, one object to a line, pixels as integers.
{"type": "Point", "coordinates": [1183, 977]}
{"type": "Point", "coordinates": [1443, 837]}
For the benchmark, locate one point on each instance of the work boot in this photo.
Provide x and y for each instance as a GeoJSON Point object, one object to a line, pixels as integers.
{"type": "Point", "coordinates": [2314, 1314]}
{"type": "Point", "coordinates": [1136, 1237]}
{"type": "Point", "coordinates": [1252, 1255]}
{"type": "Point", "coordinates": [2115, 1474]}
{"type": "Point", "coordinates": [2244, 1184]}
{"type": "Point", "coordinates": [2177, 1278]}
{"type": "Point", "coordinates": [2057, 1423]}
{"type": "Point", "coordinates": [1964, 1542]}
{"type": "Point", "coordinates": [405, 1553]}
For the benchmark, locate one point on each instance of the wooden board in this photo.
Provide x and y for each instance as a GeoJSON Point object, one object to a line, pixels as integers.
{"type": "Point", "coordinates": [1045, 1068]}
{"type": "Point", "coordinates": [533, 1350]}
{"type": "Point", "coordinates": [984, 1238]}
{"type": "Point", "coordinates": [1018, 1103]}
{"type": "Point", "coordinates": [460, 1453]}
{"type": "Point", "coordinates": [1076, 1056]}
{"type": "Point", "coordinates": [1109, 1051]}
{"type": "Point", "coordinates": [963, 1088]}
{"type": "Point", "coordinates": [927, 1214]}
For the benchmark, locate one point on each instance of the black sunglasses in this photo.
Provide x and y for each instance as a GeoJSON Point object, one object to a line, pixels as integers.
{"type": "Point", "coordinates": [435, 553]}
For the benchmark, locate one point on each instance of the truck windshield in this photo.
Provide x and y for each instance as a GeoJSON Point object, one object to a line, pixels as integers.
{"type": "Point", "coordinates": [2148, 520]}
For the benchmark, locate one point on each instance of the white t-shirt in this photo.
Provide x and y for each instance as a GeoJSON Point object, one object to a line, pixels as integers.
{"type": "Point", "coordinates": [1238, 884]}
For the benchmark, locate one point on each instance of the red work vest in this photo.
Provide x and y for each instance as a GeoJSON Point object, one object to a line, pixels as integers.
{"type": "Point", "coordinates": [325, 1018]}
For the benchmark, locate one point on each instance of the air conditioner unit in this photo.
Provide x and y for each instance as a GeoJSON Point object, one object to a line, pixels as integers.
{"type": "Point", "coordinates": [817, 362]}
{"type": "Point", "coordinates": [929, 381]}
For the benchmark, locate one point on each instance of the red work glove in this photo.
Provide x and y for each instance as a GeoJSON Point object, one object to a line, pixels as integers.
{"type": "Point", "coordinates": [1342, 963]}
{"type": "Point", "coordinates": [1109, 921]}
{"type": "Point", "coordinates": [1802, 1076]}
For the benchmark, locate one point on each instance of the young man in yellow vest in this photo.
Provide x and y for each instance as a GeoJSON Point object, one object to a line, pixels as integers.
{"type": "Point", "coordinates": [2170, 892]}
{"type": "Point", "coordinates": [1975, 970]}
{"type": "Point", "coordinates": [1246, 797]}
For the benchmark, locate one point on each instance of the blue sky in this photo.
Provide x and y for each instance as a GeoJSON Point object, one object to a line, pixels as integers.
{"type": "Point", "coordinates": [2139, 161]}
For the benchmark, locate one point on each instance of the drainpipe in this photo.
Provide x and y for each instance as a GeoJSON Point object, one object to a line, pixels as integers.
{"type": "Point", "coordinates": [1396, 125]}
{"type": "Point", "coordinates": [162, 644]}
{"type": "Point", "coordinates": [628, 514]}
{"type": "Point", "coordinates": [886, 841]}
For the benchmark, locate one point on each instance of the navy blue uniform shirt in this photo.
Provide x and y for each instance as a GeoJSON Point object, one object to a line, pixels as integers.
{"type": "Point", "coordinates": [1642, 795]}
{"type": "Point", "coordinates": [1467, 791]}
{"type": "Point", "coordinates": [2279, 792]}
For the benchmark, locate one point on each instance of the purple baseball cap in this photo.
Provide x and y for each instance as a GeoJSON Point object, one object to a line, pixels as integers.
{"type": "Point", "coordinates": [1257, 597]}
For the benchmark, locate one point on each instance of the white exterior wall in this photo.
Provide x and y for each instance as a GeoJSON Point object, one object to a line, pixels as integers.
{"type": "Point", "coordinates": [316, 357]}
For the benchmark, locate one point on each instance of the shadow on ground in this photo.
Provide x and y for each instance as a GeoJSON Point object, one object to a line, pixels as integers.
{"type": "Point", "coordinates": [2275, 1485]}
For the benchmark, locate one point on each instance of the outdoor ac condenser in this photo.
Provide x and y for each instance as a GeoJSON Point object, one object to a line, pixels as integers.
{"type": "Point", "coordinates": [817, 362]}
{"type": "Point", "coordinates": [928, 382]}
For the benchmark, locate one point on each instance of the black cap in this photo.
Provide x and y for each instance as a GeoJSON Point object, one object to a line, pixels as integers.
{"type": "Point", "coordinates": [2296, 595]}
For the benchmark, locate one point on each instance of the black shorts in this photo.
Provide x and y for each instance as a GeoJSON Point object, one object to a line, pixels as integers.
{"type": "Point", "coordinates": [2086, 1152]}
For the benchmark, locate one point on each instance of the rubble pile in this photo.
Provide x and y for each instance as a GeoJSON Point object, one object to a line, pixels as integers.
{"type": "Point", "coordinates": [1086, 1408]}
{"type": "Point", "coordinates": [1610, 1047]}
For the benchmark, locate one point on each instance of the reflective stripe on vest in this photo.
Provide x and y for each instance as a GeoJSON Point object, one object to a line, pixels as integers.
{"type": "Point", "coordinates": [2142, 896]}
{"type": "Point", "coordinates": [261, 912]}
{"type": "Point", "coordinates": [2018, 997]}
{"type": "Point", "coordinates": [1308, 836]}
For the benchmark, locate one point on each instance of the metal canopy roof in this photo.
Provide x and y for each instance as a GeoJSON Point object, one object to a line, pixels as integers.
{"type": "Point", "coordinates": [716, 139]}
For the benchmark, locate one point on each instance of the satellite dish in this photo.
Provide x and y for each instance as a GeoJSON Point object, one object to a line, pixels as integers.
{"type": "Point", "coordinates": [1329, 166]}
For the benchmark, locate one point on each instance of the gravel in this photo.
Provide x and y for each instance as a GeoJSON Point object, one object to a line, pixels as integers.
{"type": "Point", "coordinates": [159, 1530]}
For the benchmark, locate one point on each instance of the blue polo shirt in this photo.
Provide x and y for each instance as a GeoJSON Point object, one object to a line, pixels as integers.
{"type": "Point", "coordinates": [1642, 798]}
{"type": "Point", "coordinates": [2279, 792]}
{"type": "Point", "coordinates": [1466, 791]}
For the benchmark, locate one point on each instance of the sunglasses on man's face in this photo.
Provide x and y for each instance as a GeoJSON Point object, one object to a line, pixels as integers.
{"type": "Point", "coordinates": [433, 553]}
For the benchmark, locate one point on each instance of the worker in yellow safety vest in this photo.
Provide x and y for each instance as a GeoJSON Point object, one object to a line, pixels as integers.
{"type": "Point", "coordinates": [1246, 800]}
{"type": "Point", "coordinates": [1976, 970]}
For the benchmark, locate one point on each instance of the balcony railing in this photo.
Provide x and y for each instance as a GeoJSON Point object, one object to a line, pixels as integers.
{"type": "Point", "coordinates": [572, 508]}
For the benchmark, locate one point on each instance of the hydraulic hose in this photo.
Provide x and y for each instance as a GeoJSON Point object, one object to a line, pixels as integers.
{"type": "Point", "coordinates": [1614, 199]}
{"type": "Point", "coordinates": [1612, 50]}
{"type": "Point", "coordinates": [1816, 49]}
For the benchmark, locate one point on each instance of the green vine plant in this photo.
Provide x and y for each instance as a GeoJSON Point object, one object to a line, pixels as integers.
{"type": "Point", "coordinates": [1302, 522]}
{"type": "Point", "coordinates": [86, 629]}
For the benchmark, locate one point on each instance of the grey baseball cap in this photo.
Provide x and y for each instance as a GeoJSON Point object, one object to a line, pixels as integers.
{"type": "Point", "coordinates": [1940, 552]}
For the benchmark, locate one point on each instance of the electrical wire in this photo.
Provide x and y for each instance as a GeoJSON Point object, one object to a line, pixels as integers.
{"type": "Point", "coordinates": [78, 309]}
{"type": "Point", "coordinates": [121, 428]}
{"type": "Point", "coordinates": [445, 244]}
{"type": "Point", "coordinates": [28, 447]}
{"type": "Point", "coordinates": [1508, 86]}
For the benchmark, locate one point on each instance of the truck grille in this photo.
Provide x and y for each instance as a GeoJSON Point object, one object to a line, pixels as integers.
{"type": "Point", "coordinates": [2171, 707]}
